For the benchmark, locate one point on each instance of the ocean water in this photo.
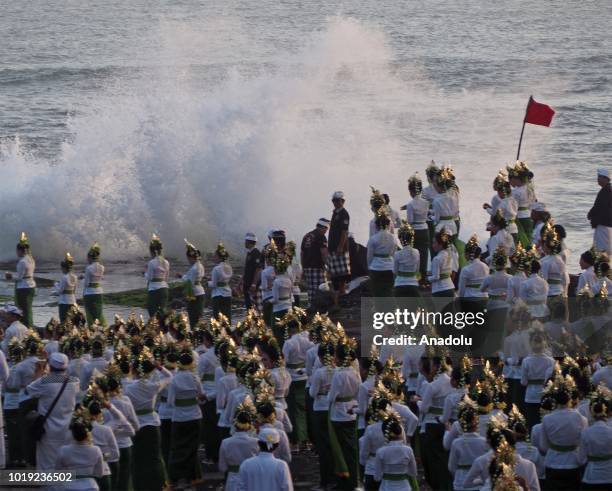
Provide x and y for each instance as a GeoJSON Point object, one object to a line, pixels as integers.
{"type": "Point", "coordinates": [207, 119]}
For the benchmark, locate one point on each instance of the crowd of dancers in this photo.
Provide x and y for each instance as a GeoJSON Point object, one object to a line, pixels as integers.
{"type": "Point", "coordinates": [130, 404]}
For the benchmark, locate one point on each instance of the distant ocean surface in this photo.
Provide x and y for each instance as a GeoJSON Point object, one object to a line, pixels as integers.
{"type": "Point", "coordinates": [207, 119]}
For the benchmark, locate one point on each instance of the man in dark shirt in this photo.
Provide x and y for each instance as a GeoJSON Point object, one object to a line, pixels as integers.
{"type": "Point", "coordinates": [339, 263]}
{"type": "Point", "coordinates": [601, 213]}
{"type": "Point", "coordinates": [314, 257]}
{"type": "Point", "coordinates": [252, 269]}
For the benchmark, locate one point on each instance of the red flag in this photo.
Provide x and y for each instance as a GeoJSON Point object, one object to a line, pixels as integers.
{"type": "Point", "coordinates": [538, 113]}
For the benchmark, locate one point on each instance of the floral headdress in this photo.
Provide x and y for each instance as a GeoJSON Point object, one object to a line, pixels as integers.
{"type": "Point", "coordinates": [405, 234]}
{"type": "Point", "coordinates": [415, 184]}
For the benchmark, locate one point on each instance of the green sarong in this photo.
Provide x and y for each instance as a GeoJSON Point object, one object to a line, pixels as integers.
{"type": "Point", "coordinates": [381, 283]}
{"type": "Point", "coordinates": [194, 310]}
{"type": "Point", "coordinates": [148, 470]}
{"type": "Point", "coordinates": [435, 458]}
{"type": "Point", "coordinates": [422, 242]}
{"type": "Point", "coordinates": [222, 305]}
{"type": "Point", "coordinates": [122, 481]}
{"type": "Point", "coordinates": [296, 410]}
{"type": "Point", "coordinates": [184, 460]}
{"type": "Point", "coordinates": [409, 291]}
{"type": "Point", "coordinates": [525, 231]}
{"type": "Point", "coordinates": [322, 444]}
{"type": "Point", "coordinates": [64, 309]}
{"type": "Point", "coordinates": [345, 451]}
{"type": "Point", "coordinates": [13, 436]}
{"type": "Point", "coordinates": [157, 302]}
{"type": "Point", "coordinates": [94, 309]}
{"type": "Point", "coordinates": [209, 435]}
{"type": "Point", "coordinates": [104, 483]}
{"type": "Point", "coordinates": [24, 297]}
{"type": "Point", "coordinates": [165, 433]}
{"type": "Point", "coordinates": [460, 246]}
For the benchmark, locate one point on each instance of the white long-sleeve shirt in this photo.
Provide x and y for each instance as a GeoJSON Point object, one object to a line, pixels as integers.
{"type": "Point", "coordinates": [441, 269]}
{"type": "Point", "coordinates": [445, 211]}
{"type": "Point", "coordinates": [514, 286]}
{"type": "Point", "coordinates": [432, 402]}
{"type": "Point", "coordinates": [267, 281]}
{"type": "Point", "coordinates": [525, 198]}
{"type": "Point", "coordinates": [509, 209]}
{"type": "Point", "coordinates": [381, 248]}
{"type": "Point", "coordinates": [501, 238]}
{"type": "Point", "coordinates": [555, 273]}
{"type": "Point", "coordinates": [158, 271]}
{"type": "Point", "coordinates": [282, 293]}
{"type": "Point", "coordinates": [478, 474]}
{"type": "Point", "coordinates": [92, 280]}
{"type": "Point", "coordinates": [104, 439]}
{"type": "Point", "coordinates": [464, 450]}
{"type": "Point", "coordinates": [232, 453]}
{"type": "Point", "coordinates": [84, 459]}
{"type": "Point", "coordinates": [195, 274]}
{"type": "Point", "coordinates": [143, 394]}
{"type": "Point", "coordinates": [66, 289]}
{"type": "Point", "coordinates": [219, 281]}
{"type": "Point", "coordinates": [320, 384]}
{"type": "Point", "coordinates": [122, 419]}
{"type": "Point", "coordinates": [536, 369]}
{"type": "Point", "coordinates": [183, 395]}
{"type": "Point", "coordinates": [416, 213]}
{"type": "Point", "coordinates": [406, 264]}
{"type": "Point", "coordinates": [343, 394]}
{"type": "Point", "coordinates": [561, 430]}
{"type": "Point", "coordinates": [264, 472]}
{"type": "Point", "coordinates": [207, 368]}
{"type": "Point", "coordinates": [294, 352]}
{"type": "Point", "coordinates": [534, 292]}
{"type": "Point", "coordinates": [25, 272]}
{"type": "Point", "coordinates": [394, 458]}
{"type": "Point", "coordinates": [595, 442]}
{"type": "Point", "coordinates": [471, 278]}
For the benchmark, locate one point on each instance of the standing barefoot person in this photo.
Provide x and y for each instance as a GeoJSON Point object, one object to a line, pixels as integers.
{"type": "Point", "coordinates": [194, 291]}
{"type": "Point", "coordinates": [600, 214]}
{"type": "Point", "coordinates": [66, 288]}
{"type": "Point", "coordinates": [219, 282]}
{"type": "Point", "coordinates": [156, 275]}
{"type": "Point", "coordinates": [92, 293]}
{"type": "Point", "coordinates": [25, 286]}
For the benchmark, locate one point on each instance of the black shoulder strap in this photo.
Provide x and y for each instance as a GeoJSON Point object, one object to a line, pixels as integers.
{"type": "Point", "coordinates": [59, 394]}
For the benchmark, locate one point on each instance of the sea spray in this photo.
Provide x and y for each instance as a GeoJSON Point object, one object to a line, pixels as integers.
{"type": "Point", "coordinates": [209, 152]}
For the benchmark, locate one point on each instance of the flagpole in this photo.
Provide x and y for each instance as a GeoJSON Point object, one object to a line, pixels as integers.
{"type": "Point", "coordinates": [518, 152]}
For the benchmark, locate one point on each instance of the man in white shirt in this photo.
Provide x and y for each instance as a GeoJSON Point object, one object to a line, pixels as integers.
{"type": "Point", "coordinates": [264, 472]}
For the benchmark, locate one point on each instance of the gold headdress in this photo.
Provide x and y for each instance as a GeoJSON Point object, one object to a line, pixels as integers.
{"type": "Point", "coordinates": [600, 402]}
{"type": "Point", "coordinates": [246, 414]}
{"type": "Point", "coordinates": [415, 184]}
{"type": "Point", "coordinates": [431, 171]}
{"type": "Point", "coordinates": [500, 258]}
{"type": "Point", "coordinates": [24, 242]}
{"type": "Point", "coordinates": [446, 178]}
{"type": "Point", "coordinates": [498, 219]}
{"type": "Point", "coordinates": [551, 239]}
{"type": "Point", "coordinates": [472, 247]}
{"type": "Point", "coordinates": [68, 261]}
{"type": "Point", "coordinates": [405, 234]}
{"type": "Point", "coordinates": [500, 179]}
{"type": "Point", "coordinates": [467, 414]}
{"type": "Point", "coordinates": [519, 170]}
{"type": "Point", "coordinates": [221, 252]}
{"type": "Point", "coordinates": [192, 251]}
{"type": "Point", "coordinates": [155, 244]}
{"type": "Point", "coordinates": [377, 200]}
{"type": "Point", "coordinates": [94, 251]}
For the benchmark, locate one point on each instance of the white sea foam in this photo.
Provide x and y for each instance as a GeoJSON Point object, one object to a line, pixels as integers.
{"type": "Point", "coordinates": [209, 153]}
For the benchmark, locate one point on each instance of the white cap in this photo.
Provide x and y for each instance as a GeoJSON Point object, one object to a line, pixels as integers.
{"type": "Point", "coordinates": [269, 436]}
{"type": "Point", "coordinates": [603, 172]}
{"type": "Point", "coordinates": [59, 361]}
{"type": "Point", "coordinates": [323, 222]}
{"type": "Point", "coordinates": [338, 195]}
{"type": "Point", "coordinates": [12, 309]}
{"type": "Point", "coordinates": [250, 236]}
{"type": "Point", "coordinates": [539, 206]}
